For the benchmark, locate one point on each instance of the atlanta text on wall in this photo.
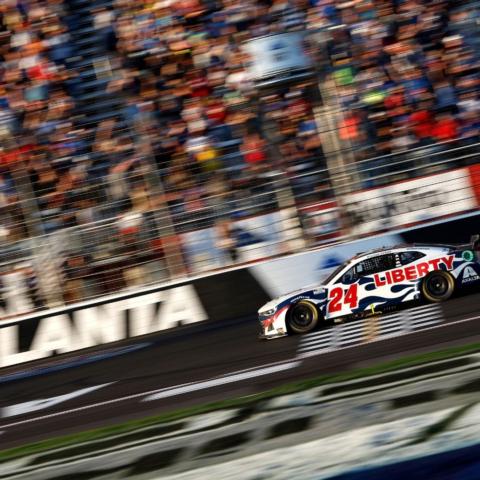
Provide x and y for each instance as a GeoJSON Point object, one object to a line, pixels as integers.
{"type": "Point", "coordinates": [71, 330]}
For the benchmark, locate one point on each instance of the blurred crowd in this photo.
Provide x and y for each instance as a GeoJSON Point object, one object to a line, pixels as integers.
{"type": "Point", "coordinates": [192, 133]}
{"type": "Point", "coordinates": [35, 105]}
{"type": "Point", "coordinates": [407, 74]}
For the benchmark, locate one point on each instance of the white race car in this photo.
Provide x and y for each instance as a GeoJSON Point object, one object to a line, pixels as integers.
{"type": "Point", "coordinates": [375, 282]}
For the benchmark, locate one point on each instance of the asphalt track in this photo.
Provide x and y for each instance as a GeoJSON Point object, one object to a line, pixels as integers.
{"type": "Point", "coordinates": [162, 372]}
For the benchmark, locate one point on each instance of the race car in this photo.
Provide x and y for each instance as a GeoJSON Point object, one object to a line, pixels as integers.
{"type": "Point", "coordinates": [375, 282]}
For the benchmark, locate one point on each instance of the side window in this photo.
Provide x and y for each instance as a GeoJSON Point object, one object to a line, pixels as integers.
{"type": "Point", "coordinates": [409, 257]}
{"type": "Point", "coordinates": [376, 265]}
{"type": "Point", "coordinates": [349, 276]}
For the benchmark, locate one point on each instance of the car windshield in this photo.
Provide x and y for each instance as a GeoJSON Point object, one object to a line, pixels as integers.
{"type": "Point", "coordinates": [335, 273]}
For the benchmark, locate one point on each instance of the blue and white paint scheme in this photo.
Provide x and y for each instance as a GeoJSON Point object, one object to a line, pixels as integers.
{"type": "Point", "coordinates": [372, 283]}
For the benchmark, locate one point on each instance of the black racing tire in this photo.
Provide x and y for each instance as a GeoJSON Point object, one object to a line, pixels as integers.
{"type": "Point", "coordinates": [303, 317]}
{"type": "Point", "coordinates": [438, 286]}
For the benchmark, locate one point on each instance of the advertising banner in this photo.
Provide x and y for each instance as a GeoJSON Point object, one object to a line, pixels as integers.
{"type": "Point", "coordinates": [209, 298]}
{"type": "Point", "coordinates": [408, 202]}
{"type": "Point", "coordinates": [236, 241]}
{"type": "Point", "coordinates": [321, 222]}
{"type": "Point", "coordinates": [274, 54]}
{"type": "Point", "coordinates": [72, 329]}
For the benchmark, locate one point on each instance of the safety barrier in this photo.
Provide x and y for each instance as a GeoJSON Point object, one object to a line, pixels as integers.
{"type": "Point", "coordinates": [215, 297]}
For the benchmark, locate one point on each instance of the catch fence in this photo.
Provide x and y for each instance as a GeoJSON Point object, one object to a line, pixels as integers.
{"type": "Point", "coordinates": [168, 235]}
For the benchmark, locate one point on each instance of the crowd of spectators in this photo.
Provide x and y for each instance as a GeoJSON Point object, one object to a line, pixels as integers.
{"type": "Point", "coordinates": [194, 132]}
{"type": "Point", "coordinates": [224, 141]}
{"type": "Point", "coordinates": [407, 75]}
{"type": "Point", "coordinates": [36, 136]}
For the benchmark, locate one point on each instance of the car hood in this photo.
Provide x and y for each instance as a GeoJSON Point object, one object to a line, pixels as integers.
{"type": "Point", "coordinates": [276, 301]}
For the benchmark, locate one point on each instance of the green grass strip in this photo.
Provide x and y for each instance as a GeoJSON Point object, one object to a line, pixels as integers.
{"type": "Point", "coordinates": [249, 400]}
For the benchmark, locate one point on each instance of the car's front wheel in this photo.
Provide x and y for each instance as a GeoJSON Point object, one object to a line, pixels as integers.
{"type": "Point", "coordinates": [303, 317]}
{"type": "Point", "coordinates": [438, 286]}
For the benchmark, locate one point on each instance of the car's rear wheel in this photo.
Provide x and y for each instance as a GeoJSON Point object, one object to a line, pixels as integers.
{"type": "Point", "coordinates": [438, 286]}
{"type": "Point", "coordinates": [303, 317]}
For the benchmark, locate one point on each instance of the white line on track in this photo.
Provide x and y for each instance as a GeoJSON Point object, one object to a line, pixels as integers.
{"type": "Point", "coordinates": [419, 325]}
{"type": "Point", "coordinates": [180, 390]}
{"type": "Point", "coordinates": [414, 332]}
{"type": "Point", "coordinates": [238, 376]}
{"type": "Point", "coordinates": [172, 391]}
{"type": "Point", "coordinates": [419, 316]}
{"type": "Point", "coordinates": [345, 334]}
{"type": "Point", "coordinates": [318, 343]}
{"type": "Point", "coordinates": [390, 320]}
{"type": "Point", "coordinates": [394, 328]}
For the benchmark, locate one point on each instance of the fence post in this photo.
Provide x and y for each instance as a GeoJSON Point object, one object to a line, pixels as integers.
{"type": "Point", "coordinates": [44, 259]}
{"type": "Point", "coordinates": [326, 116]}
{"type": "Point", "coordinates": [47, 263]}
{"type": "Point", "coordinates": [170, 243]}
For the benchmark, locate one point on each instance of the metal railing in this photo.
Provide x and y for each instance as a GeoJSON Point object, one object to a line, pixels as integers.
{"type": "Point", "coordinates": [137, 248]}
{"type": "Point", "coordinates": [175, 240]}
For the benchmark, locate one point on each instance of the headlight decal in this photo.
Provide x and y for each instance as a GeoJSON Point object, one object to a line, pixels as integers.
{"type": "Point", "coordinates": [267, 323]}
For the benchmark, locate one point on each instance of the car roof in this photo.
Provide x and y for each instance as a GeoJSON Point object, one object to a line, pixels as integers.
{"type": "Point", "coordinates": [394, 249]}
{"type": "Point", "coordinates": [401, 248]}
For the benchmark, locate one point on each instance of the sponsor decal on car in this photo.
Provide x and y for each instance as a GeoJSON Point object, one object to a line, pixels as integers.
{"type": "Point", "coordinates": [469, 275]}
{"type": "Point", "coordinates": [412, 272]}
{"type": "Point", "coordinates": [337, 294]}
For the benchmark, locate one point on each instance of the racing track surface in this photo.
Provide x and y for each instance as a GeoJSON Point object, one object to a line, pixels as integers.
{"type": "Point", "coordinates": [227, 360]}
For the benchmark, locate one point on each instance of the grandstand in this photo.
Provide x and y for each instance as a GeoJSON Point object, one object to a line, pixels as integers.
{"type": "Point", "coordinates": [143, 141]}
